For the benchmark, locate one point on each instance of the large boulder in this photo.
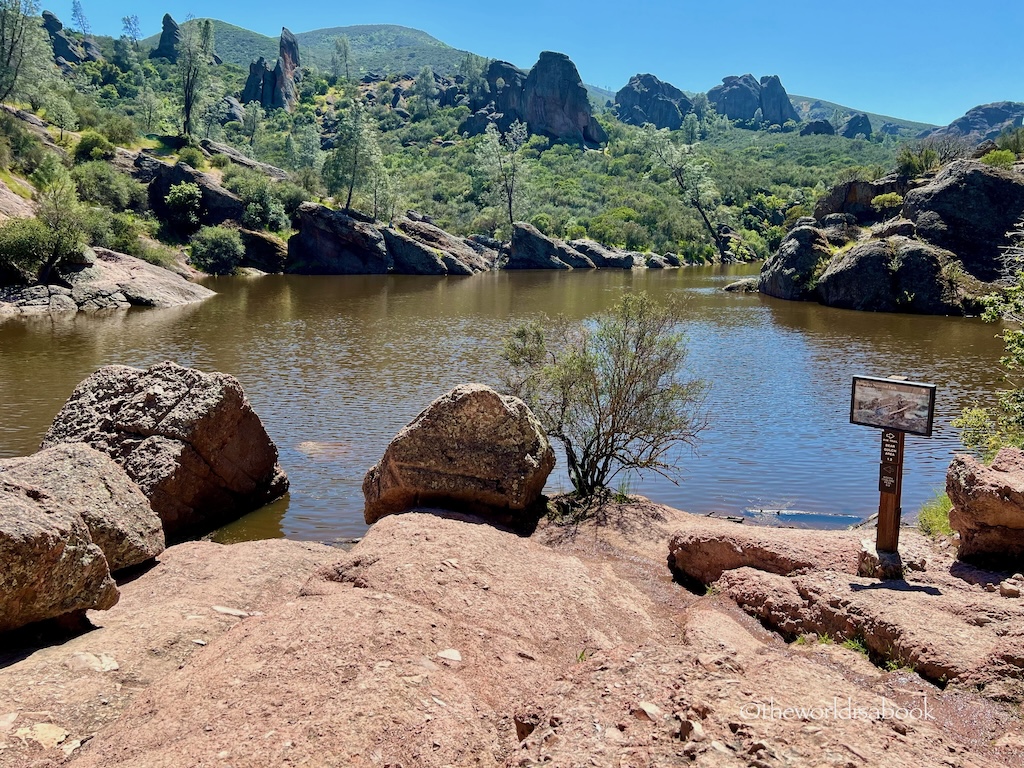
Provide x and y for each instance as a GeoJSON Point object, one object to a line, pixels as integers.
{"type": "Point", "coordinates": [238, 158]}
{"type": "Point", "coordinates": [472, 450]}
{"type": "Point", "coordinates": [856, 125]}
{"type": "Point", "coordinates": [738, 98]}
{"type": "Point", "coordinates": [988, 507]}
{"type": "Point", "coordinates": [63, 47]}
{"type": "Point", "coordinates": [776, 108]}
{"type": "Point", "coordinates": [532, 249]}
{"type": "Point", "coordinates": [89, 484]}
{"type": "Point", "coordinates": [263, 251]}
{"type": "Point", "coordinates": [854, 197]}
{"type": "Point", "coordinates": [167, 48]}
{"type": "Point", "coordinates": [51, 567]}
{"type": "Point", "coordinates": [646, 99]}
{"type": "Point", "coordinates": [818, 128]}
{"type": "Point", "coordinates": [259, 82]}
{"type": "Point", "coordinates": [218, 204]}
{"type": "Point", "coordinates": [984, 122]}
{"type": "Point", "coordinates": [607, 257]}
{"type": "Point", "coordinates": [331, 242]}
{"type": "Point", "coordinates": [790, 272]}
{"type": "Point", "coordinates": [421, 248]}
{"type": "Point", "coordinates": [968, 208]}
{"type": "Point", "coordinates": [285, 95]}
{"type": "Point", "coordinates": [189, 439]}
{"type": "Point", "coordinates": [892, 275]}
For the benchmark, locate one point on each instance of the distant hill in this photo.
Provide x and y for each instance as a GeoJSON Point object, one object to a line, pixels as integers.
{"type": "Point", "coordinates": [811, 108]}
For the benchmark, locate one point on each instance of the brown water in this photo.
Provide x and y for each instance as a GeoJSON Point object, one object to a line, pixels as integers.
{"type": "Point", "coordinates": [335, 366]}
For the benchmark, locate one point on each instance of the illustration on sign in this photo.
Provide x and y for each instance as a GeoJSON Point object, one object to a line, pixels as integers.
{"type": "Point", "coordinates": [892, 404]}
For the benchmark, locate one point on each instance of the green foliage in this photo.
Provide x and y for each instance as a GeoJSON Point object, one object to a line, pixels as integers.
{"type": "Point", "coordinates": [999, 158]}
{"type": "Point", "coordinates": [856, 644]}
{"type": "Point", "coordinates": [1012, 139]}
{"type": "Point", "coordinates": [193, 157]}
{"type": "Point", "coordinates": [500, 159]}
{"type": "Point", "coordinates": [217, 250]}
{"type": "Point", "coordinates": [23, 244]}
{"type": "Point", "coordinates": [916, 159]}
{"type": "Point", "coordinates": [117, 231]}
{"type": "Point", "coordinates": [120, 130]}
{"type": "Point", "coordinates": [888, 203]}
{"type": "Point", "coordinates": [933, 517]}
{"type": "Point", "coordinates": [99, 182]}
{"type": "Point", "coordinates": [93, 146]}
{"type": "Point", "coordinates": [26, 61]}
{"type": "Point", "coordinates": [264, 209]}
{"type": "Point", "coordinates": [185, 203]}
{"type": "Point", "coordinates": [19, 149]}
{"type": "Point", "coordinates": [59, 209]}
{"type": "Point", "coordinates": [611, 391]}
{"type": "Point", "coordinates": [220, 161]}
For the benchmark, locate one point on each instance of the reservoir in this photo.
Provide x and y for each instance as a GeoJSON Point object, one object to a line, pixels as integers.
{"type": "Point", "coordinates": [335, 366]}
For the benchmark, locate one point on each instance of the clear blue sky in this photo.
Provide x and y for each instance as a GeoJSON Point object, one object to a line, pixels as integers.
{"type": "Point", "coordinates": [925, 60]}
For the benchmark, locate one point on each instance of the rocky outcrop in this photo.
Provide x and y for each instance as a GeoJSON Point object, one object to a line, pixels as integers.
{"type": "Point", "coordinates": [472, 450]}
{"type": "Point", "coordinates": [856, 125]}
{"type": "Point", "coordinates": [532, 249]}
{"type": "Point", "coordinates": [605, 257]}
{"type": "Point", "coordinates": [968, 208]}
{"type": "Point", "coordinates": [86, 483]}
{"type": "Point", "coordinates": [167, 47]}
{"type": "Point", "coordinates": [739, 98]}
{"type": "Point", "coordinates": [818, 128]}
{"type": "Point", "coordinates": [988, 507]}
{"type": "Point", "coordinates": [274, 88]}
{"type": "Point", "coordinates": [234, 111]}
{"type": "Point", "coordinates": [646, 99]}
{"type": "Point", "coordinates": [984, 122]}
{"type": "Point", "coordinates": [189, 439]}
{"type": "Point", "coordinates": [551, 100]}
{"type": "Point", "coordinates": [854, 197]}
{"type": "Point", "coordinates": [218, 204]}
{"type": "Point", "coordinates": [791, 272]}
{"type": "Point", "coordinates": [239, 158]}
{"type": "Point", "coordinates": [892, 275]}
{"type": "Point", "coordinates": [263, 251]}
{"type": "Point", "coordinates": [63, 46]}
{"type": "Point", "coordinates": [410, 242]}
{"type": "Point", "coordinates": [104, 279]}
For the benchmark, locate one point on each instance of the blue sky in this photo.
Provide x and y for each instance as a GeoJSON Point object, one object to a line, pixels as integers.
{"type": "Point", "coordinates": [925, 61]}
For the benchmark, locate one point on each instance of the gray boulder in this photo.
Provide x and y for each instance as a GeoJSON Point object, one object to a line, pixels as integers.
{"type": "Point", "coordinates": [790, 272]}
{"type": "Point", "coordinates": [233, 110]}
{"type": "Point", "coordinates": [532, 249]}
{"type": "Point", "coordinates": [472, 450]}
{"type": "Point", "coordinates": [413, 241]}
{"type": "Point", "coordinates": [63, 46]}
{"type": "Point", "coordinates": [818, 128]}
{"type": "Point", "coordinates": [87, 483]}
{"type": "Point", "coordinates": [263, 251]}
{"type": "Point", "coordinates": [218, 204]}
{"type": "Point", "coordinates": [856, 125]}
{"type": "Point", "coordinates": [968, 208]}
{"type": "Point", "coordinates": [607, 257]}
{"type": "Point", "coordinates": [854, 197]}
{"type": "Point", "coordinates": [738, 98]}
{"type": "Point", "coordinates": [167, 48]}
{"type": "Point", "coordinates": [646, 99]}
{"type": "Point", "coordinates": [334, 243]}
{"type": "Point", "coordinates": [776, 107]}
{"type": "Point", "coordinates": [189, 439]}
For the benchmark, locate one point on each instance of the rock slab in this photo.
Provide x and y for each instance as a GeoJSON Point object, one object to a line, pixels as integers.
{"type": "Point", "coordinates": [472, 450]}
{"type": "Point", "coordinates": [189, 439]}
{"type": "Point", "coordinates": [988, 507]}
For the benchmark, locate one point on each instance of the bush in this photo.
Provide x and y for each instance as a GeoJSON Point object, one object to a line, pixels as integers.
{"type": "Point", "coordinates": [263, 209]}
{"type": "Point", "coordinates": [220, 161]}
{"type": "Point", "coordinates": [612, 391]}
{"type": "Point", "coordinates": [23, 245]}
{"type": "Point", "coordinates": [119, 231]}
{"type": "Point", "coordinates": [120, 129]}
{"type": "Point", "coordinates": [933, 519]}
{"type": "Point", "coordinates": [101, 183]}
{"type": "Point", "coordinates": [887, 204]}
{"type": "Point", "coordinates": [192, 156]}
{"type": "Point", "coordinates": [217, 250]}
{"type": "Point", "coordinates": [19, 149]}
{"type": "Point", "coordinates": [999, 158]}
{"type": "Point", "coordinates": [93, 146]}
{"type": "Point", "coordinates": [185, 203]}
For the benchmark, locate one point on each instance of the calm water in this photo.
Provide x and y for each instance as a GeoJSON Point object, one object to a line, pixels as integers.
{"type": "Point", "coordinates": [335, 366]}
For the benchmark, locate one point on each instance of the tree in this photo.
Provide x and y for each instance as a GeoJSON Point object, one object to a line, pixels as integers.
{"type": "Point", "coordinates": [60, 113]}
{"type": "Point", "coordinates": [612, 391]}
{"type": "Point", "coordinates": [340, 58]}
{"type": "Point", "coordinates": [473, 69]}
{"type": "Point", "coordinates": [348, 165]}
{"type": "Point", "coordinates": [132, 29]}
{"type": "Point", "coordinates": [23, 57]}
{"type": "Point", "coordinates": [195, 47]}
{"type": "Point", "coordinates": [253, 121]}
{"type": "Point", "coordinates": [500, 157]}
{"type": "Point", "coordinates": [149, 109]}
{"type": "Point", "coordinates": [210, 117]}
{"type": "Point", "coordinates": [424, 89]}
{"type": "Point", "coordinates": [691, 174]}
{"type": "Point", "coordinates": [59, 209]}
{"type": "Point", "coordinates": [79, 19]}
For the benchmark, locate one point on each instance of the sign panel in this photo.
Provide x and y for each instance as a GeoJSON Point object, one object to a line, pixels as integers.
{"type": "Point", "coordinates": [888, 478]}
{"type": "Point", "coordinates": [904, 406]}
{"type": "Point", "coordinates": [890, 447]}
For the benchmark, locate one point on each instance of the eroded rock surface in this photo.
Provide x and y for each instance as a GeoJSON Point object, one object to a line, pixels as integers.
{"type": "Point", "coordinates": [988, 507]}
{"type": "Point", "coordinates": [189, 439]}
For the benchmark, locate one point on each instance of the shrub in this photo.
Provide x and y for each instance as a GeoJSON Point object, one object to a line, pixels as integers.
{"type": "Point", "coordinates": [217, 250]}
{"type": "Point", "coordinates": [933, 519]}
{"type": "Point", "coordinates": [119, 231]}
{"type": "Point", "coordinates": [185, 203]}
{"type": "Point", "coordinates": [93, 146]}
{"type": "Point", "coordinates": [101, 183]}
{"type": "Point", "coordinates": [19, 149]}
{"type": "Point", "coordinates": [612, 391]}
{"type": "Point", "coordinates": [999, 158]}
{"type": "Point", "coordinates": [263, 209]}
{"type": "Point", "coordinates": [120, 129]}
{"type": "Point", "coordinates": [192, 156]}
{"type": "Point", "coordinates": [23, 245]}
{"type": "Point", "coordinates": [220, 161]}
{"type": "Point", "coordinates": [888, 203]}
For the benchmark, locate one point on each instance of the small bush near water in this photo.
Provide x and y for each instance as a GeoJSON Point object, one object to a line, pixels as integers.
{"type": "Point", "coordinates": [933, 519]}
{"type": "Point", "coordinates": [217, 250]}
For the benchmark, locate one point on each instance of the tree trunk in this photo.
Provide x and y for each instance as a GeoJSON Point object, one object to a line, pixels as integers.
{"type": "Point", "coordinates": [719, 244]}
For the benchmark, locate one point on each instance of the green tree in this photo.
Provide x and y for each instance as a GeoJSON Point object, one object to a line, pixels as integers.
{"type": "Point", "coordinates": [132, 29]}
{"type": "Point", "coordinates": [501, 158]}
{"type": "Point", "coordinates": [60, 113]}
{"type": "Point", "coordinates": [79, 19]}
{"type": "Point", "coordinates": [253, 121]}
{"type": "Point", "coordinates": [59, 209]}
{"type": "Point", "coordinates": [23, 48]}
{"type": "Point", "coordinates": [691, 174]}
{"type": "Point", "coordinates": [195, 47]}
{"type": "Point", "coordinates": [348, 165]}
{"type": "Point", "coordinates": [185, 203]}
{"type": "Point", "coordinates": [149, 109]}
{"type": "Point", "coordinates": [340, 58]}
{"type": "Point", "coordinates": [424, 89]}
{"type": "Point", "coordinates": [1000, 158]}
{"type": "Point", "coordinates": [217, 250]}
{"type": "Point", "coordinates": [612, 391]}
{"type": "Point", "coordinates": [473, 69]}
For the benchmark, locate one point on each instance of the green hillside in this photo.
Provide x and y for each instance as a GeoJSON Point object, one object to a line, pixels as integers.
{"type": "Point", "coordinates": [811, 108]}
{"type": "Point", "coordinates": [383, 48]}
{"type": "Point", "coordinates": [234, 45]}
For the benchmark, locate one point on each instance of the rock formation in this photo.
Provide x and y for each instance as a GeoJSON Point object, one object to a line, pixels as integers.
{"type": "Point", "coordinates": [551, 100]}
{"type": "Point", "coordinates": [856, 125]}
{"type": "Point", "coordinates": [984, 122]}
{"type": "Point", "coordinates": [646, 99]}
{"type": "Point", "coordinates": [531, 249]}
{"type": "Point", "coordinates": [218, 204]}
{"type": "Point", "coordinates": [988, 507]}
{"type": "Point", "coordinates": [63, 46]}
{"type": "Point", "coordinates": [818, 128]}
{"type": "Point", "coordinates": [167, 47]}
{"type": "Point", "coordinates": [87, 483]}
{"type": "Point", "coordinates": [190, 440]}
{"type": "Point", "coordinates": [791, 272]}
{"type": "Point", "coordinates": [274, 88]}
{"type": "Point", "coordinates": [854, 197]}
{"type": "Point", "coordinates": [472, 450]}
{"type": "Point", "coordinates": [738, 98]}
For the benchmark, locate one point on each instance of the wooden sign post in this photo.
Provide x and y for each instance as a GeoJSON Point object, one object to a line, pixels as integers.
{"type": "Point", "coordinates": [897, 407]}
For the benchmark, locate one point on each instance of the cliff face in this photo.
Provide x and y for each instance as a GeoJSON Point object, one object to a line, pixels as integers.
{"type": "Point", "coordinates": [646, 99]}
{"type": "Point", "coordinates": [274, 88]}
{"type": "Point", "coordinates": [167, 47]}
{"type": "Point", "coordinates": [739, 98]}
{"type": "Point", "coordinates": [983, 122]}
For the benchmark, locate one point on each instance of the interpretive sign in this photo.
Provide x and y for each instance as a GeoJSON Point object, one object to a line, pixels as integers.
{"type": "Point", "coordinates": [904, 406]}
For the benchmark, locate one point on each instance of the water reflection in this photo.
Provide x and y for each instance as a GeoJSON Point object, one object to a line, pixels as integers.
{"type": "Point", "coordinates": [336, 366]}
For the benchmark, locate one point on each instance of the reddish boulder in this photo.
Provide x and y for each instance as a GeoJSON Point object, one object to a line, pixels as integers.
{"type": "Point", "coordinates": [988, 507]}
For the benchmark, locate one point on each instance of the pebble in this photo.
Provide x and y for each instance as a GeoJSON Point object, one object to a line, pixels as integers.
{"type": "Point", "coordinates": [230, 611]}
{"type": "Point", "coordinates": [450, 654]}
